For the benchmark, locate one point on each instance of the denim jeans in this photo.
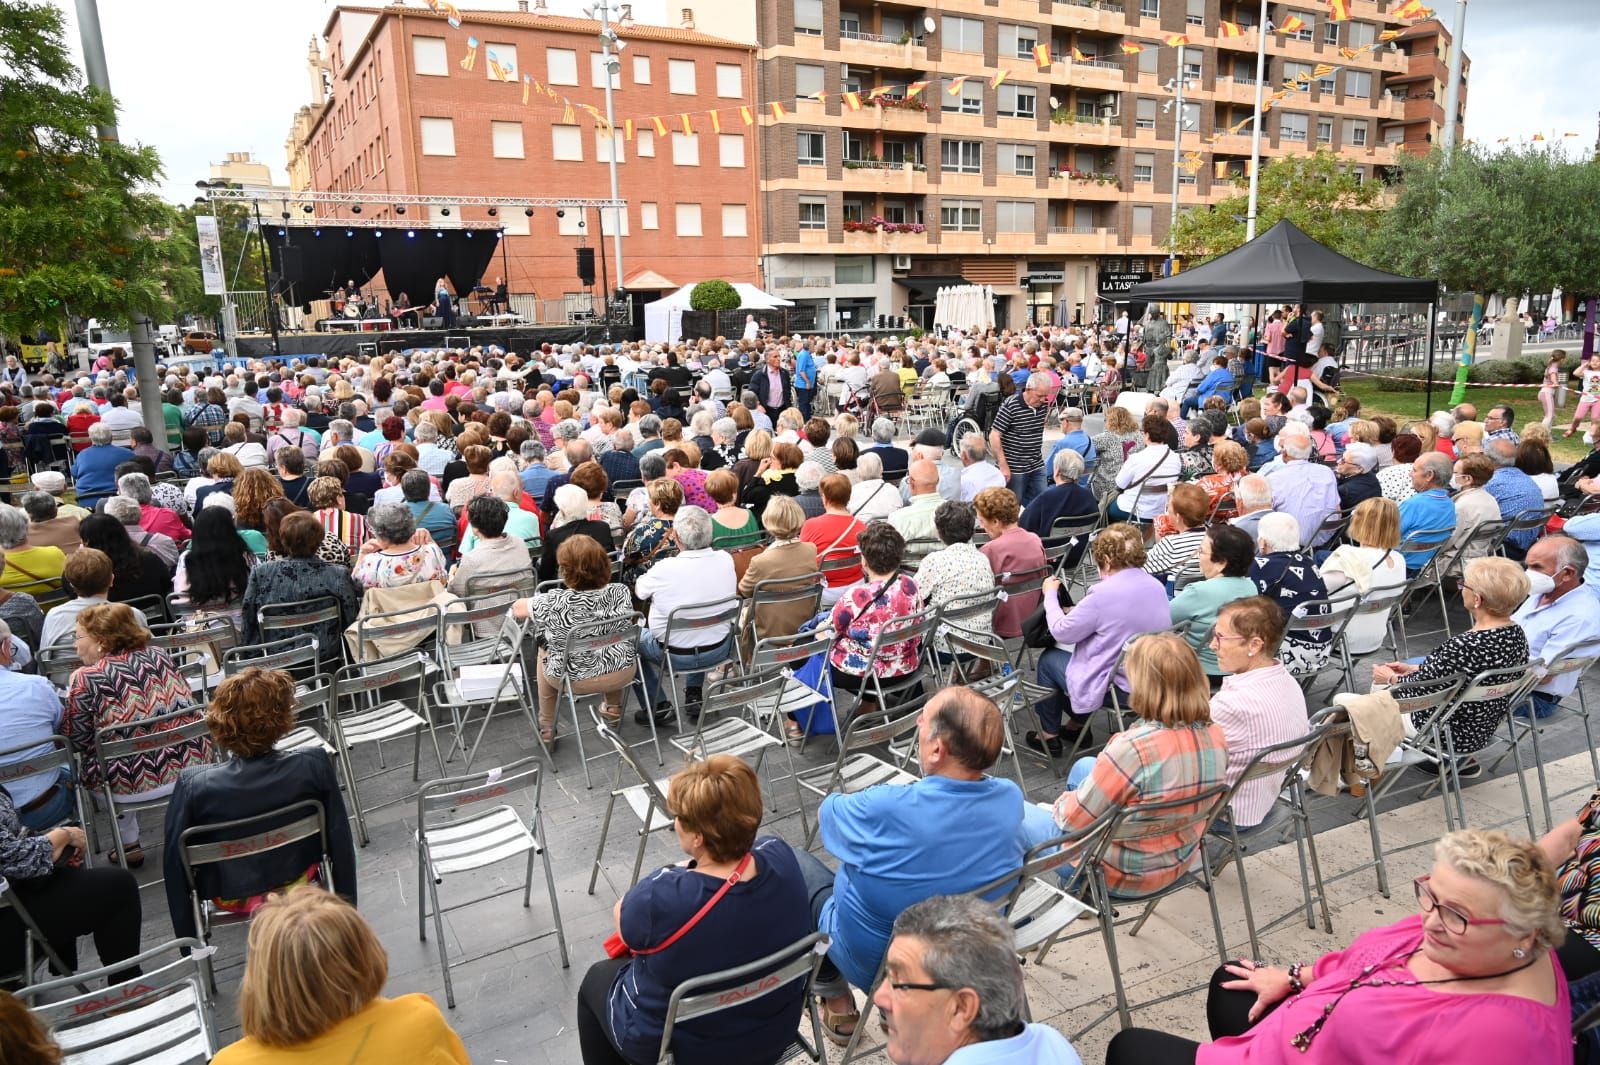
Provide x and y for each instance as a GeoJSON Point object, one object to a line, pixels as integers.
{"type": "Point", "coordinates": [1191, 403]}
{"type": "Point", "coordinates": [60, 807]}
{"type": "Point", "coordinates": [652, 656]}
{"type": "Point", "coordinates": [1053, 674]}
{"type": "Point", "coordinates": [819, 880]}
{"type": "Point", "coordinates": [1027, 486]}
{"type": "Point", "coordinates": [1544, 704]}
{"type": "Point", "coordinates": [802, 399]}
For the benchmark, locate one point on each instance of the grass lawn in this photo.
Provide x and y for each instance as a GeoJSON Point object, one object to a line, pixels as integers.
{"type": "Point", "coordinates": [1525, 401]}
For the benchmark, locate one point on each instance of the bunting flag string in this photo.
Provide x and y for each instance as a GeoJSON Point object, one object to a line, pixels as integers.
{"type": "Point", "coordinates": [451, 13]}
{"type": "Point", "coordinates": [1000, 76]}
{"type": "Point", "coordinates": [527, 86]}
{"type": "Point", "coordinates": [1292, 24]}
{"type": "Point", "coordinates": [1338, 10]}
{"type": "Point", "coordinates": [955, 85]}
{"type": "Point", "coordinates": [1177, 40]}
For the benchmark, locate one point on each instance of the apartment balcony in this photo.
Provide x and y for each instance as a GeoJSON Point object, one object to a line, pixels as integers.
{"type": "Point", "coordinates": [871, 49]}
{"type": "Point", "coordinates": [1069, 127]}
{"type": "Point", "coordinates": [976, 244]}
{"type": "Point", "coordinates": [1104, 16]}
{"type": "Point", "coordinates": [815, 238]}
{"type": "Point", "coordinates": [892, 179]}
{"type": "Point", "coordinates": [1083, 240]}
{"type": "Point", "coordinates": [1096, 73]}
{"type": "Point", "coordinates": [1238, 91]}
{"type": "Point", "coordinates": [889, 113]}
{"type": "Point", "coordinates": [873, 241]}
{"type": "Point", "coordinates": [1082, 185]}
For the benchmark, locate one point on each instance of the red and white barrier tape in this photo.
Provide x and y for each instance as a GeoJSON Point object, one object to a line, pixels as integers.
{"type": "Point", "coordinates": [1436, 381]}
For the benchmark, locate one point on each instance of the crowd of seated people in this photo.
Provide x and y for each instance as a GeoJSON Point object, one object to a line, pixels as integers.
{"type": "Point", "coordinates": [344, 480]}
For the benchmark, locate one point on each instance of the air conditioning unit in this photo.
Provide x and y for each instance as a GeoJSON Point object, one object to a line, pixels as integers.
{"type": "Point", "coordinates": [902, 264]}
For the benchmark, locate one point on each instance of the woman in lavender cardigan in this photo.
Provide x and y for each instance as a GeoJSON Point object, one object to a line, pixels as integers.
{"type": "Point", "coordinates": [1124, 603]}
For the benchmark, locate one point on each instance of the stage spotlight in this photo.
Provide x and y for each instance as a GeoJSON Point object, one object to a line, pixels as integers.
{"type": "Point", "coordinates": [307, 208]}
{"type": "Point", "coordinates": [349, 232]}
{"type": "Point", "coordinates": [377, 232]}
{"type": "Point", "coordinates": [283, 233]}
{"type": "Point", "coordinates": [316, 232]}
{"type": "Point", "coordinates": [355, 208]}
{"type": "Point", "coordinates": [493, 211]}
{"type": "Point", "coordinates": [411, 232]}
{"type": "Point", "coordinates": [445, 211]}
{"type": "Point", "coordinates": [400, 209]}
{"type": "Point", "coordinates": [286, 216]}
{"type": "Point", "coordinates": [561, 213]}
{"type": "Point", "coordinates": [528, 211]}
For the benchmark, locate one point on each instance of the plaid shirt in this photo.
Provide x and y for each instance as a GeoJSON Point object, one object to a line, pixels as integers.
{"type": "Point", "coordinates": [1147, 763]}
{"type": "Point", "coordinates": [208, 416]}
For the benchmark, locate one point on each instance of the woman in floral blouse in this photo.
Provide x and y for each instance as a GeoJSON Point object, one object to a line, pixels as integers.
{"type": "Point", "coordinates": [395, 555]}
{"type": "Point", "coordinates": [883, 595]}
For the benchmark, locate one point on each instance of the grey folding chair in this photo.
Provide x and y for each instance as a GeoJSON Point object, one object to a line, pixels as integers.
{"type": "Point", "coordinates": [747, 711]}
{"type": "Point", "coordinates": [687, 627]}
{"type": "Point", "coordinates": [1430, 575]}
{"type": "Point", "coordinates": [162, 1017]}
{"type": "Point", "coordinates": [211, 638]}
{"type": "Point", "coordinates": [1531, 520]}
{"type": "Point", "coordinates": [1334, 726]}
{"type": "Point", "coordinates": [787, 654]}
{"type": "Point", "coordinates": [999, 681]}
{"type": "Point", "coordinates": [362, 716]}
{"type": "Point", "coordinates": [500, 659]}
{"type": "Point", "coordinates": [1560, 663]}
{"type": "Point", "coordinates": [967, 615]}
{"type": "Point", "coordinates": [418, 626]}
{"type": "Point", "coordinates": [587, 641]}
{"type": "Point", "coordinates": [297, 655]}
{"type": "Point", "coordinates": [184, 727]}
{"type": "Point", "coordinates": [49, 755]}
{"type": "Point", "coordinates": [918, 627]}
{"type": "Point", "coordinates": [857, 768]}
{"type": "Point", "coordinates": [58, 663]}
{"type": "Point", "coordinates": [701, 996]}
{"type": "Point", "coordinates": [520, 581]}
{"type": "Point", "coordinates": [778, 592]}
{"type": "Point", "coordinates": [453, 839]}
{"type": "Point", "coordinates": [1332, 617]}
{"type": "Point", "coordinates": [279, 620]}
{"type": "Point", "coordinates": [645, 797]}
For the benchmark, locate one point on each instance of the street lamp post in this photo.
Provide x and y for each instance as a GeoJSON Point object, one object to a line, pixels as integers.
{"type": "Point", "coordinates": [1177, 160]}
{"type": "Point", "coordinates": [1255, 125]}
{"type": "Point", "coordinates": [611, 63]}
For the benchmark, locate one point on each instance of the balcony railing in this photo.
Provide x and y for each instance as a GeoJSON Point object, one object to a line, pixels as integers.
{"type": "Point", "coordinates": [878, 38]}
{"type": "Point", "coordinates": [802, 281]}
{"type": "Point", "coordinates": [1097, 5]}
{"type": "Point", "coordinates": [1105, 64]}
{"type": "Point", "coordinates": [1292, 134]}
{"type": "Point", "coordinates": [1080, 231]}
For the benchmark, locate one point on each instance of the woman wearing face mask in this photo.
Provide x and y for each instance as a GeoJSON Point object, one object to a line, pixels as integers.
{"type": "Point", "coordinates": [1475, 507]}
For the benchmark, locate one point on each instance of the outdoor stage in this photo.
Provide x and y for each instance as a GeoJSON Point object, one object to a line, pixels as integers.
{"type": "Point", "coordinates": [521, 338]}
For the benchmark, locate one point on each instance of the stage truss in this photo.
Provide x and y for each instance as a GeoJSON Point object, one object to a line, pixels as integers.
{"type": "Point", "coordinates": [345, 208]}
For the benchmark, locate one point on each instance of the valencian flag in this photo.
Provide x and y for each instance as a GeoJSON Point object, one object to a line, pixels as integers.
{"type": "Point", "coordinates": [994, 82]}
{"type": "Point", "coordinates": [1348, 53]}
{"type": "Point", "coordinates": [527, 85]}
{"type": "Point", "coordinates": [448, 10]}
{"type": "Point", "coordinates": [1389, 35]}
{"type": "Point", "coordinates": [1292, 24]}
{"type": "Point", "coordinates": [1129, 48]}
{"type": "Point", "coordinates": [1338, 10]}
{"type": "Point", "coordinates": [1041, 55]}
{"type": "Point", "coordinates": [470, 60]}
{"type": "Point", "coordinates": [1176, 40]}
{"type": "Point", "coordinates": [1322, 70]}
{"type": "Point", "coordinates": [1230, 29]}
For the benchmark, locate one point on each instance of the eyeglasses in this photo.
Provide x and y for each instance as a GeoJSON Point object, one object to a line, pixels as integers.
{"type": "Point", "coordinates": [924, 987]}
{"type": "Point", "coordinates": [1455, 922]}
{"type": "Point", "coordinates": [1217, 638]}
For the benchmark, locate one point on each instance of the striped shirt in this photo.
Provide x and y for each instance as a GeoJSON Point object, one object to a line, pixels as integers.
{"type": "Point", "coordinates": [1021, 430]}
{"type": "Point", "coordinates": [1255, 710]}
{"type": "Point", "coordinates": [351, 529]}
{"type": "Point", "coordinates": [1175, 553]}
{"type": "Point", "coordinates": [1147, 763]}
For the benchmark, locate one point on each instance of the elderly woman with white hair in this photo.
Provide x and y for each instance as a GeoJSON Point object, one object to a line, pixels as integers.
{"type": "Point", "coordinates": [506, 486]}
{"type": "Point", "coordinates": [572, 519]}
{"type": "Point", "coordinates": [724, 442]}
{"type": "Point", "coordinates": [31, 570]}
{"type": "Point", "coordinates": [94, 471]}
{"type": "Point", "coordinates": [152, 516]}
{"type": "Point", "coordinates": [1287, 575]}
{"type": "Point", "coordinates": [398, 553]}
{"type": "Point", "coordinates": [871, 497]}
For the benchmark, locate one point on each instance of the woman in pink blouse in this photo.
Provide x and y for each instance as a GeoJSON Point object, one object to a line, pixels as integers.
{"type": "Point", "coordinates": [1472, 977]}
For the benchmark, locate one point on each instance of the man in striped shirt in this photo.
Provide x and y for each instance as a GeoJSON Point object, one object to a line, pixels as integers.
{"type": "Point", "coordinates": [1017, 438]}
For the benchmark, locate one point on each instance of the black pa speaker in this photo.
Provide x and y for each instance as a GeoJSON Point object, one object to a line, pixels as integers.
{"type": "Point", "coordinates": [586, 265]}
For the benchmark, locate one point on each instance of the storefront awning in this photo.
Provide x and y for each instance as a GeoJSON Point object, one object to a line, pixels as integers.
{"type": "Point", "coordinates": [924, 289]}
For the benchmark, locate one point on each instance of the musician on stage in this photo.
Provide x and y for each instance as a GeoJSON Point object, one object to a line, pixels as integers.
{"type": "Point", "coordinates": [443, 302]}
{"type": "Point", "coordinates": [402, 310]}
{"type": "Point", "coordinates": [501, 299]}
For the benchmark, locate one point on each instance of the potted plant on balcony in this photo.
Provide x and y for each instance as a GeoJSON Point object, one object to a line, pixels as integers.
{"type": "Point", "coordinates": [853, 226]}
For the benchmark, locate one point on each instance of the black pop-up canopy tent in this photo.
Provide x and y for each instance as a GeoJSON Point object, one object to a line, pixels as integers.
{"type": "Point", "coordinates": [1284, 265]}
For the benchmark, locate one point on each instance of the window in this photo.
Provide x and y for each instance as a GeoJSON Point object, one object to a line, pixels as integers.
{"type": "Point", "coordinates": [680, 77]}
{"type": "Point", "coordinates": [1355, 132]}
{"type": "Point", "coordinates": [561, 66]}
{"type": "Point", "coordinates": [849, 80]}
{"type": "Point", "coordinates": [1144, 167]}
{"type": "Point", "coordinates": [1306, 32]}
{"type": "Point", "coordinates": [687, 221]}
{"type": "Point", "coordinates": [961, 34]}
{"type": "Point", "coordinates": [961, 157]}
{"type": "Point", "coordinates": [604, 146]}
{"type": "Point", "coordinates": [813, 212]}
{"type": "Point", "coordinates": [1324, 131]}
{"type": "Point", "coordinates": [1149, 60]}
{"type": "Point", "coordinates": [1328, 85]}
{"type": "Point", "coordinates": [1013, 216]}
{"type": "Point", "coordinates": [566, 143]}
{"type": "Point", "coordinates": [1357, 84]}
{"type": "Point", "coordinates": [1017, 159]}
{"type": "Point", "coordinates": [506, 138]}
{"type": "Point", "coordinates": [500, 62]}
{"type": "Point", "coordinates": [961, 216]}
{"type": "Point", "coordinates": [597, 72]}
{"type": "Point", "coordinates": [1144, 115]}
{"type": "Point", "coordinates": [899, 152]}
{"type": "Point", "coordinates": [1143, 221]}
{"type": "Point", "coordinates": [1330, 32]}
{"type": "Point", "coordinates": [645, 139]}
{"type": "Point", "coordinates": [1017, 101]}
{"type": "Point", "coordinates": [429, 57]}
{"type": "Point", "coordinates": [438, 136]}
{"type": "Point", "coordinates": [855, 149]}
{"type": "Point", "coordinates": [641, 70]}
{"type": "Point", "coordinates": [1191, 65]}
{"type": "Point", "coordinates": [1018, 41]}
{"type": "Point", "coordinates": [1195, 15]}
{"type": "Point", "coordinates": [1362, 34]}
{"type": "Point", "coordinates": [810, 150]}
{"type": "Point", "coordinates": [1392, 134]}
{"type": "Point", "coordinates": [686, 149]}
{"type": "Point", "coordinates": [1360, 174]}
{"type": "Point", "coordinates": [730, 149]}
{"type": "Point", "coordinates": [1191, 117]}
{"type": "Point", "coordinates": [1291, 127]}
{"type": "Point", "coordinates": [613, 221]}
{"type": "Point", "coordinates": [1294, 71]}
{"type": "Point", "coordinates": [649, 218]}
{"type": "Point", "coordinates": [730, 81]}
{"type": "Point", "coordinates": [735, 220]}
{"type": "Point", "coordinates": [808, 79]}
{"type": "Point", "coordinates": [852, 269]}
{"type": "Point", "coordinates": [855, 211]}
{"type": "Point", "coordinates": [1149, 8]}
{"type": "Point", "coordinates": [893, 212]}
{"type": "Point", "coordinates": [808, 17]}
{"type": "Point", "coordinates": [970, 102]}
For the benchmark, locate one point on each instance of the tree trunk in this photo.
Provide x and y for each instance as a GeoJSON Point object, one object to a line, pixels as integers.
{"type": "Point", "coordinates": [1469, 349]}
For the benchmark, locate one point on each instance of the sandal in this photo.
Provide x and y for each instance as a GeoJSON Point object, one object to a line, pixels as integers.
{"type": "Point", "coordinates": [611, 715]}
{"type": "Point", "coordinates": [840, 1026]}
{"type": "Point", "coordinates": [549, 738]}
{"type": "Point", "coordinates": [793, 733]}
{"type": "Point", "coordinates": [134, 855]}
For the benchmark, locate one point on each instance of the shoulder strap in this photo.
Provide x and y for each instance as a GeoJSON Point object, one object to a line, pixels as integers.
{"type": "Point", "coordinates": [733, 879]}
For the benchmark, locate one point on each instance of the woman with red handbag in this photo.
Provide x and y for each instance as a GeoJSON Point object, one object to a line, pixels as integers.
{"type": "Point", "coordinates": [736, 899]}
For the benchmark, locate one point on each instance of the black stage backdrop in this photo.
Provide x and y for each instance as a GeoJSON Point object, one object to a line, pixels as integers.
{"type": "Point", "coordinates": [330, 255]}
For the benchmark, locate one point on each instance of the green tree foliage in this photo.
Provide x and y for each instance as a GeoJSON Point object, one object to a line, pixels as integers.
{"type": "Point", "coordinates": [714, 295]}
{"type": "Point", "coordinates": [1315, 192]}
{"type": "Point", "coordinates": [79, 227]}
{"type": "Point", "coordinates": [180, 254]}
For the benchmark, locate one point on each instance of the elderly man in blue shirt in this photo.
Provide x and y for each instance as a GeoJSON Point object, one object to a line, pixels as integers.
{"type": "Point", "coordinates": [1514, 490]}
{"type": "Point", "coordinates": [1073, 438]}
{"type": "Point", "coordinates": [953, 830]}
{"type": "Point", "coordinates": [1429, 510]}
{"type": "Point", "coordinates": [1306, 489]}
{"type": "Point", "coordinates": [1217, 382]}
{"type": "Point", "coordinates": [1561, 616]}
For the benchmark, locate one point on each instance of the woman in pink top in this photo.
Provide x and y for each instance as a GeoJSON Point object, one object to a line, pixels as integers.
{"type": "Point", "coordinates": [1471, 978]}
{"type": "Point", "coordinates": [1276, 342]}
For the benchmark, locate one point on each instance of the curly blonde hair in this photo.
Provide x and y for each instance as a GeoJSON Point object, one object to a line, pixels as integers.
{"type": "Point", "coordinates": [252, 491]}
{"type": "Point", "coordinates": [1520, 869]}
{"type": "Point", "coordinates": [1118, 547]}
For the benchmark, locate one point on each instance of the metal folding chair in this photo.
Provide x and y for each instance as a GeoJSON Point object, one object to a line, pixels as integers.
{"type": "Point", "coordinates": [1532, 520]}
{"type": "Point", "coordinates": [1067, 541]}
{"type": "Point", "coordinates": [999, 681]}
{"type": "Point", "coordinates": [686, 627]}
{"type": "Point", "coordinates": [1332, 616]}
{"type": "Point", "coordinates": [162, 1017]}
{"type": "Point", "coordinates": [143, 739]}
{"type": "Point", "coordinates": [595, 638]}
{"type": "Point", "coordinates": [278, 620]}
{"type": "Point", "coordinates": [1334, 725]}
{"type": "Point", "coordinates": [420, 626]}
{"type": "Point", "coordinates": [1431, 574]}
{"type": "Point", "coordinates": [1558, 663]}
{"type": "Point", "coordinates": [49, 755]}
{"type": "Point", "coordinates": [918, 626]}
{"type": "Point", "coordinates": [520, 581]}
{"type": "Point", "coordinates": [211, 639]}
{"type": "Point", "coordinates": [33, 939]}
{"type": "Point", "coordinates": [361, 716]}
{"type": "Point", "coordinates": [778, 592]}
{"type": "Point", "coordinates": [647, 798]}
{"type": "Point", "coordinates": [701, 996]}
{"type": "Point", "coordinates": [856, 768]}
{"type": "Point", "coordinates": [966, 615]}
{"type": "Point", "coordinates": [787, 654]}
{"type": "Point", "coordinates": [452, 841]}
{"type": "Point", "coordinates": [747, 706]}
{"type": "Point", "coordinates": [503, 657]}
{"type": "Point", "coordinates": [58, 662]}
{"type": "Point", "coordinates": [298, 656]}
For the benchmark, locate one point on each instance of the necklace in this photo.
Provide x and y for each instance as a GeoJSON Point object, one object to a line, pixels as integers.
{"type": "Point", "coordinates": [1303, 1038]}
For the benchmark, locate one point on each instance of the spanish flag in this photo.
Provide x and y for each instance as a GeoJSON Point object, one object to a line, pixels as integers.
{"type": "Point", "coordinates": [1230, 29]}
{"type": "Point", "coordinates": [777, 110]}
{"type": "Point", "coordinates": [1041, 55]}
{"type": "Point", "coordinates": [1292, 24]}
{"type": "Point", "coordinates": [627, 130]}
{"type": "Point", "coordinates": [747, 116]}
{"type": "Point", "coordinates": [688, 128]}
{"type": "Point", "coordinates": [661, 127]}
{"type": "Point", "coordinates": [1220, 171]}
{"type": "Point", "coordinates": [955, 85]}
{"type": "Point", "coordinates": [1079, 56]}
{"type": "Point", "coordinates": [716, 122]}
{"type": "Point", "coordinates": [819, 96]}
{"type": "Point", "coordinates": [915, 89]}
{"type": "Point", "coordinates": [1338, 10]}
{"type": "Point", "coordinates": [852, 100]}
{"type": "Point", "coordinates": [879, 91]}
{"type": "Point", "coordinates": [1176, 40]}
{"type": "Point", "coordinates": [1130, 48]}
{"type": "Point", "coordinates": [1538, 136]}
{"type": "Point", "coordinates": [994, 82]}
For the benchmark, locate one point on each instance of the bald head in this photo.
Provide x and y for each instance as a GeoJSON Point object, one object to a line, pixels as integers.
{"type": "Point", "coordinates": [968, 732]}
{"type": "Point", "coordinates": [924, 478]}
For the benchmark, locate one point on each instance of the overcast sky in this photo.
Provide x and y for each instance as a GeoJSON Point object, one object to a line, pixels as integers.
{"type": "Point", "coordinates": [197, 84]}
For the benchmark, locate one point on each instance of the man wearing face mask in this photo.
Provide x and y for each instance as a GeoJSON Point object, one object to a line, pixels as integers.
{"type": "Point", "coordinates": [1561, 616]}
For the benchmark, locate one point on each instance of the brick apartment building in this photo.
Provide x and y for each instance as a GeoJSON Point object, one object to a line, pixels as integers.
{"type": "Point", "coordinates": [1421, 88]}
{"type": "Point", "coordinates": [394, 112]}
{"type": "Point", "coordinates": [1056, 188]}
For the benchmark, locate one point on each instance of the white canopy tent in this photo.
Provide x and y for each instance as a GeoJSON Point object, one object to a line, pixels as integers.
{"type": "Point", "coordinates": [964, 306]}
{"type": "Point", "coordinates": [663, 319]}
